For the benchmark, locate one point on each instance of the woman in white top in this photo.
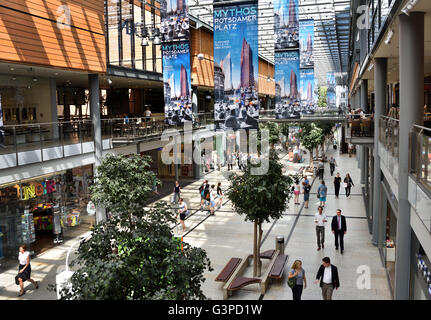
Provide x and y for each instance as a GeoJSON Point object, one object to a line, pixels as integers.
{"type": "Point", "coordinates": [213, 195]}
{"type": "Point", "coordinates": [24, 269]}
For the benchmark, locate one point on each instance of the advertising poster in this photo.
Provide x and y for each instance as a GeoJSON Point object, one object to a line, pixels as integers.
{"type": "Point", "coordinates": [307, 91]}
{"type": "Point", "coordinates": [236, 66]}
{"type": "Point", "coordinates": [176, 82]}
{"type": "Point", "coordinates": [287, 81]}
{"type": "Point", "coordinates": [306, 41]}
{"type": "Point", "coordinates": [331, 95]}
{"type": "Point", "coordinates": [286, 24]}
{"type": "Point", "coordinates": [174, 25]}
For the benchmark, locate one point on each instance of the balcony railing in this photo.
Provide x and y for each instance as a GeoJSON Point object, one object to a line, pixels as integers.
{"type": "Point", "coordinates": [318, 114]}
{"type": "Point", "coordinates": [389, 144]}
{"type": "Point", "coordinates": [420, 170]}
{"type": "Point", "coordinates": [30, 143]}
{"type": "Point", "coordinates": [361, 126]}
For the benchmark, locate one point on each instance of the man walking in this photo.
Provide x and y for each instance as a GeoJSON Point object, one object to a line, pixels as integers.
{"type": "Point", "coordinates": [328, 276]}
{"type": "Point", "coordinates": [320, 219]}
{"type": "Point", "coordinates": [332, 165]}
{"type": "Point", "coordinates": [339, 229]}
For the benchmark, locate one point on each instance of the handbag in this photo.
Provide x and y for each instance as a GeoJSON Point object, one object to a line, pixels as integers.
{"type": "Point", "coordinates": [345, 185]}
{"type": "Point", "coordinates": [291, 282]}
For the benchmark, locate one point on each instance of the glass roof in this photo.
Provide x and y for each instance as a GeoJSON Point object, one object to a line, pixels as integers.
{"type": "Point", "coordinates": [332, 27]}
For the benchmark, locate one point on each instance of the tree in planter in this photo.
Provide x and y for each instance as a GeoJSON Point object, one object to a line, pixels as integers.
{"type": "Point", "coordinates": [274, 133]}
{"type": "Point", "coordinates": [133, 255]}
{"type": "Point", "coordinates": [260, 198]}
{"type": "Point", "coordinates": [322, 94]}
{"type": "Point", "coordinates": [327, 130]}
{"type": "Point", "coordinates": [311, 137]}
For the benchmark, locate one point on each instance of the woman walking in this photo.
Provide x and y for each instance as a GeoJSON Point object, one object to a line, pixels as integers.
{"type": "Point", "coordinates": [182, 212]}
{"type": "Point", "coordinates": [24, 269]}
{"type": "Point", "coordinates": [213, 195]}
{"type": "Point", "coordinates": [307, 189]}
{"type": "Point", "coordinates": [348, 183]}
{"type": "Point", "coordinates": [297, 191]}
{"type": "Point", "coordinates": [301, 282]}
{"type": "Point", "coordinates": [219, 195]}
{"type": "Point", "coordinates": [321, 193]}
{"type": "Point", "coordinates": [337, 184]}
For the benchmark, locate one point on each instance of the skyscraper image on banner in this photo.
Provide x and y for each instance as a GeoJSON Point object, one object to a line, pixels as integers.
{"type": "Point", "coordinates": [287, 80]}
{"type": "Point", "coordinates": [236, 77]}
{"type": "Point", "coordinates": [307, 91]}
{"type": "Point", "coordinates": [331, 94]}
{"type": "Point", "coordinates": [306, 41]}
{"type": "Point", "coordinates": [176, 82]}
{"type": "Point", "coordinates": [286, 24]}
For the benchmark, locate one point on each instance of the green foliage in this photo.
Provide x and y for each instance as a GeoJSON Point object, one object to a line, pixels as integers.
{"type": "Point", "coordinates": [133, 255]}
{"type": "Point", "coordinates": [260, 197]}
{"type": "Point", "coordinates": [322, 100]}
{"type": "Point", "coordinates": [274, 133]}
{"type": "Point", "coordinates": [311, 136]}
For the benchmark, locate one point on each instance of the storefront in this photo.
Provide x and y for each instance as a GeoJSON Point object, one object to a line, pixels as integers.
{"type": "Point", "coordinates": [390, 244]}
{"type": "Point", "coordinates": [42, 211]}
{"type": "Point", "coordinates": [420, 281]}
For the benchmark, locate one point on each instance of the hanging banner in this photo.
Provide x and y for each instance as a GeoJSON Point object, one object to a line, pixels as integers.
{"type": "Point", "coordinates": [236, 64]}
{"type": "Point", "coordinates": [176, 82]}
{"type": "Point", "coordinates": [307, 91]}
{"type": "Point", "coordinates": [286, 24]}
{"type": "Point", "coordinates": [306, 40]}
{"type": "Point", "coordinates": [287, 104]}
{"type": "Point", "coordinates": [174, 24]}
{"type": "Point", "coordinates": [331, 94]}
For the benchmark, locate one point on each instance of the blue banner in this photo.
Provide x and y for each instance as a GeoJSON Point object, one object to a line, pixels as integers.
{"type": "Point", "coordinates": [287, 80]}
{"type": "Point", "coordinates": [307, 91]}
{"type": "Point", "coordinates": [331, 94]}
{"type": "Point", "coordinates": [306, 40]}
{"type": "Point", "coordinates": [177, 82]}
{"type": "Point", "coordinates": [286, 24]}
{"type": "Point", "coordinates": [236, 65]}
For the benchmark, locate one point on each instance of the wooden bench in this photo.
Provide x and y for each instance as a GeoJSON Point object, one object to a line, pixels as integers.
{"type": "Point", "coordinates": [236, 274]}
{"type": "Point", "coordinates": [228, 270]}
{"type": "Point", "coordinates": [268, 254]}
{"type": "Point", "coordinates": [278, 267]}
{"type": "Point", "coordinates": [240, 282]}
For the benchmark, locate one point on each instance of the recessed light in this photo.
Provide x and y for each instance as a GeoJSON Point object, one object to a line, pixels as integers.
{"type": "Point", "coordinates": [56, 74]}
{"type": "Point", "coordinates": [12, 69]}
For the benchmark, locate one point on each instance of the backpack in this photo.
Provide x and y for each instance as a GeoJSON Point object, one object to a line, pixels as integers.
{"type": "Point", "coordinates": [307, 188]}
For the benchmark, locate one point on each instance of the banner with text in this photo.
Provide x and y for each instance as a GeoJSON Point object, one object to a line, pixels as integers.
{"type": "Point", "coordinates": [287, 77]}
{"type": "Point", "coordinates": [175, 36]}
{"type": "Point", "coordinates": [236, 65]}
{"type": "Point", "coordinates": [306, 40]}
{"type": "Point", "coordinates": [176, 82]}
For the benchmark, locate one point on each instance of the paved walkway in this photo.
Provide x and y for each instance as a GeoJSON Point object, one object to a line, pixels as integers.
{"type": "Point", "coordinates": [227, 235]}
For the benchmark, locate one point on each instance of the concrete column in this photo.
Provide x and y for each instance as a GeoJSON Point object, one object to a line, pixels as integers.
{"type": "Point", "coordinates": [196, 165]}
{"type": "Point", "coordinates": [411, 112]}
{"type": "Point", "coordinates": [53, 103]}
{"type": "Point", "coordinates": [364, 164]}
{"type": "Point", "coordinates": [371, 190]}
{"type": "Point", "coordinates": [364, 95]}
{"type": "Point", "coordinates": [380, 83]}
{"type": "Point", "coordinates": [94, 99]}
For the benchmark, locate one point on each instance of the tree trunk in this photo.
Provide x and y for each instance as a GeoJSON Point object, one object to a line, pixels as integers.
{"type": "Point", "coordinates": [259, 265]}
{"type": "Point", "coordinates": [255, 251]}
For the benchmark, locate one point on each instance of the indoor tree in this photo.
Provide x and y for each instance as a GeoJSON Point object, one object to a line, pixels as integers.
{"type": "Point", "coordinates": [311, 137]}
{"type": "Point", "coordinates": [133, 255]}
{"type": "Point", "coordinates": [260, 198]}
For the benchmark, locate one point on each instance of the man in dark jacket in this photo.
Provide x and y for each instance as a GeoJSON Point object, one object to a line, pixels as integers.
{"type": "Point", "coordinates": [328, 276]}
{"type": "Point", "coordinates": [339, 229]}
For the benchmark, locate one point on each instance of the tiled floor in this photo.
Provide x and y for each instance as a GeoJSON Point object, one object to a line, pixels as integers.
{"type": "Point", "coordinates": [227, 235]}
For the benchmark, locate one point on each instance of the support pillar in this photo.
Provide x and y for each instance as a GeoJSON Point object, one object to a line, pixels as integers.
{"type": "Point", "coordinates": [411, 112]}
{"type": "Point", "coordinates": [54, 112]}
{"type": "Point", "coordinates": [380, 83]}
{"type": "Point", "coordinates": [94, 99]}
{"type": "Point", "coordinates": [364, 96]}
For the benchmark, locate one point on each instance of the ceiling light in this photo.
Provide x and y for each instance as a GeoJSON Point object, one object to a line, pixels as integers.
{"type": "Point", "coordinates": [14, 78]}
{"type": "Point", "coordinates": [34, 79]}
{"type": "Point", "coordinates": [12, 69]}
{"type": "Point", "coordinates": [109, 81]}
{"type": "Point", "coordinates": [409, 6]}
{"type": "Point", "coordinates": [201, 56]}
